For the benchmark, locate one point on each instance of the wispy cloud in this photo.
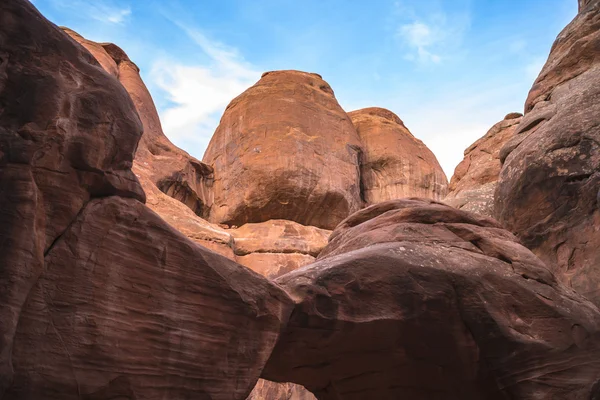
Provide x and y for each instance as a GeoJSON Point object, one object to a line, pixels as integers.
{"type": "Point", "coordinates": [421, 37]}
{"type": "Point", "coordinates": [429, 36]}
{"type": "Point", "coordinates": [104, 11]}
{"type": "Point", "coordinates": [198, 94]}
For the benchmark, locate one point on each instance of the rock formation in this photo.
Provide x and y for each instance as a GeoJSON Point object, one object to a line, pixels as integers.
{"type": "Point", "coordinates": [101, 298]}
{"type": "Point", "coordinates": [548, 190]}
{"type": "Point", "coordinates": [169, 176]}
{"type": "Point", "coordinates": [395, 164]}
{"type": "Point", "coordinates": [276, 247]}
{"type": "Point", "coordinates": [266, 390]}
{"type": "Point", "coordinates": [474, 181]}
{"type": "Point", "coordinates": [177, 187]}
{"type": "Point", "coordinates": [285, 149]}
{"type": "Point", "coordinates": [415, 299]}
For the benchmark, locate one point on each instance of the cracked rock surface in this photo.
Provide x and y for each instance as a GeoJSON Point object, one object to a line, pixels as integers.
{"type": "Point", "coordinates": [285, 149]}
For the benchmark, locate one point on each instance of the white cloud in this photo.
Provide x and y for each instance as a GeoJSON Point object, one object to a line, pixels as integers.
{"type": "Point", "coordinates": [420, 37]}
{"type": "Point", "coordinates": [429, 36]}
{"type": "Point", "coordinates": [103, 11]}
{"type": "Point", "coordinates": [115, 16]}
{"type": "Point", "coordinates": [199, 93]}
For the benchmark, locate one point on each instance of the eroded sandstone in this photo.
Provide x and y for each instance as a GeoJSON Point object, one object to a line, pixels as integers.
{"type": "Point", "coordinates": [474, 181]}
{"type": "Point", "coordinates": [548, 190]}
{"type": "Point", "coordinates": [415, 299]}
{"type": "Point", "coordinates": [285, 149]}
{"type": "Point", "coordinates": [101, 298]}
{"type": "Point", "coordinates": [395, 164]}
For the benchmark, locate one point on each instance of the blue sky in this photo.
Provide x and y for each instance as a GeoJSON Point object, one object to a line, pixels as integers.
{"type": "Point", "coordinates": [449, 68]}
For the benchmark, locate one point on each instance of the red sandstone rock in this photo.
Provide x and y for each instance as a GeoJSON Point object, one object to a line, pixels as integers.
{"type": "Point", "coordinates": [58, 149]}
{"type": "Point", "coordinates": [100, 297]}
{"type": "Point", "coordinates": [474, 182]}
{"type": "Point", "coordinates": [395, 164]}
{"type": "Point", "coordinates": [162, 167]}
{"type": "Point", "coordinates": [168, 175]}
{"type": "Point", "coordinates": [127, 307]}
{"type": "Point", "coordinates": [414, 299]}
{"type": "Point", "coordinates": [266, 390]}
{"type": "Point", "coordinates": [276, 247]}
{"type": "Point", "coordinates": [285, 149]}
{"type": "Point", "coordinates": [548, 190]}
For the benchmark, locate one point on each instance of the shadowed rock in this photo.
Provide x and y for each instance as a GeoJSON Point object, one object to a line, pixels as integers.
{"type": "Point", "coordinates": [549, 187]}
{"type": "Point", "coordinates": [100, 297]}
{"type": "Point", "coordinates": [415, 299]}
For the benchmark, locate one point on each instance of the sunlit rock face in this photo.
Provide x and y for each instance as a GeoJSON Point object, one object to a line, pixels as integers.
{"type": "Point", "coordinates": [285, 149]}
{"type": "Point", "coordinates": [395, 164]}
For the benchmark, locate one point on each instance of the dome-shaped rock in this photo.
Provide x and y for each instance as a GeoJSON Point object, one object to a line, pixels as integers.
{"type": "Point", "coordinates": [285, 149]}
{"type": "Point", "coordinates": [395, 164]}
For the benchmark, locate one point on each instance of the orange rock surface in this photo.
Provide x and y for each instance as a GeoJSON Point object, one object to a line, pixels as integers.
{"type": "Point", "coordinates": [395, 164]}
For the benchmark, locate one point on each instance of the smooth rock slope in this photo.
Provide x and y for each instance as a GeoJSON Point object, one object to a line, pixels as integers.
{"type": "Point", "coordinates": [415, 299]}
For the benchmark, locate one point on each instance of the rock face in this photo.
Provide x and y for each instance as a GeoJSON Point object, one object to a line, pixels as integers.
{"type": "Point", "coordinates": [474, 181]}
{"type": "Point", "coordinates": [266, 390]}
{"type": "Point", "coordinates": [276, 247]}
{"type": "Point", "coordinates": [548, 190]}
{"type": "Point", "coordinates": [169, 176]}
{"type": "Point", "coordinates": [395, 164]}
{"type": "Point", "coordinates": [100, 297]}
{"type": "Point", "coordinates": [285, 149]}
{"type": "Point", "coordinates": [57, 150]}
{"type": "Point", "coordinates": [415, 299]}
{"type": "Point", "coordinates": [128, 307]}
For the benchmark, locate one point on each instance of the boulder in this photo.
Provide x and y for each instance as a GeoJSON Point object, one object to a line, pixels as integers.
{"type": "Point", "coordinates": [474, 181]}
{"type": "Point", "coordinates": [100, 297]}
{"type": "Point", "coordinates": [415, 299]}
{"type": "Point", "coordinates": [394, 163]}
{"type": "Point", "coordinates": [285, 149]}
{"type": "Point", "coordinates": [178, 188]}
{"type": "Point", "coordinates": [549, 188]}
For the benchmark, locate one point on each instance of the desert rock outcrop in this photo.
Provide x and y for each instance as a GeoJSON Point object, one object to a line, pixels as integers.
{"type": "Point", "coordinates": [395, 164]}
{"type": "Point", "coordinates": [549, 188]}
{"type": "Point", "coordinates": [415, 299]}
{"type": "Point", "coordinates": [285, 149]}
{"type": "Point", "coordinates": [169, 176]}
{"type": "Point", "coordinates": [474, 181]}
{"type": "Point", "coordinates": [101, 298]}
{"type": "Point", "coordinates": [276, 247]}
